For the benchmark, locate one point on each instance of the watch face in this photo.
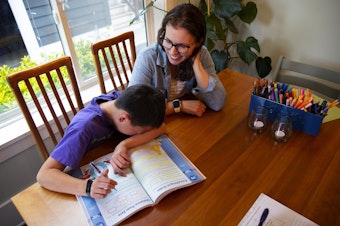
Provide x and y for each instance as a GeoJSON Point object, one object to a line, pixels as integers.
{"type": "Point", "coordinates": [176, 104]}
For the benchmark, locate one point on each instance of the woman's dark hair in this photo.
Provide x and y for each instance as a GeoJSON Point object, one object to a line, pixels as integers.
{"type": "Point", "coordinates": [145, 105]}
{"type": "Point", "coordinates": [189, 17]}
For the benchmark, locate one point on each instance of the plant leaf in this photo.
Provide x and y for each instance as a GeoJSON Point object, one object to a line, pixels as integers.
{"type": "Point", "coordinates": [263, 66]}
{"type": "Point", "coordinates": [203, 7]}
{"type": "Point", "coordinates": [245, 53]}
{"type": "Point", "coordinates": [248, 12]}
{"type": "Point", "coordinates": [220, 59]}
{"type": "Point", "coordinates": [215, 26]}
{"type": "Point", "coordinates": [228, 8]}
{"type": "Point", "coordinates": [209, 44]}
{"type": "Point", "coordinates": [230, 25]}
{"type": "Point", "coordinates": [253, 43]}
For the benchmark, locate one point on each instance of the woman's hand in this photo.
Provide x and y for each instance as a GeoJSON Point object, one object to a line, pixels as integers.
{"type": "Point", "coordinates": [201, 75]}
{"type": "Point", "coordinates": [102, 185]}
{"type": "Point", "coordinates": [196, 59]}
{"type": "Point", "coordinates": [193, 107]}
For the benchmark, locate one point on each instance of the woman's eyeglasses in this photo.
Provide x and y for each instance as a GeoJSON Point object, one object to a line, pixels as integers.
{"type": "Point", "coordinates": [181, 48]}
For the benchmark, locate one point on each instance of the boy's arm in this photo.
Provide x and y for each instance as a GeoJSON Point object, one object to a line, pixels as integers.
{"type": "Point", "coordinates": [120, 159]}
{"type": "Point", "coordinates": [52, 177]}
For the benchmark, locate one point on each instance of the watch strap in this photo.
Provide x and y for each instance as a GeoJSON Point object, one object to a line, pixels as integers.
{"type": "Point", "coordinates": [88, 187]}
{"type": "Point", "coordinates": [176, 105]}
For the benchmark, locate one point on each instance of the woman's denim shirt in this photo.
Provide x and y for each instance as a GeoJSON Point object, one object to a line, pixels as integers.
{"type": "Point", "coordinates": [151, 67]}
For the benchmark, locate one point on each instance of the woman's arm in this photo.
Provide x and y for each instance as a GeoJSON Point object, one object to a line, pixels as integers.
{"type": "Point", "coordinates": [201, 75]}
{"type": "Point", "coordinates": [209, 87]}
{"type": "Point", "coordinates": [192, 107]}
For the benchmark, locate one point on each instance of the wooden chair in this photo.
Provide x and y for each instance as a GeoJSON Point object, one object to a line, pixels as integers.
{"type": "Point", "coordinates": [52, 91]}
{"type": "Point", "coordinates": [322, 82]}
{"type": "Point", "coordinates": [113, 55]}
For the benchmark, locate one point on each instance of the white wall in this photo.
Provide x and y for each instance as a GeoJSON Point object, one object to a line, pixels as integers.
{"type": "Point", "coordinates": [154, 17]}
{"type": "Point", "coordinates": [303, 30]}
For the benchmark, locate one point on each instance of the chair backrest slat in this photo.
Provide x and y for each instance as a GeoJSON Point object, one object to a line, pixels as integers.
{"type": "Point", "coordinates": [117, 58]}
{"type": "Point", "coordinates": [54, 96]}
{"type": "Point", "coordinates": [122, 61]}
{"type": "Point", "coordinates": [49, 105]}
{"type": "Point", "coordinates": [323, 82]}
{"type": "Point", "coordinates": [116, 62]}
{"type": "Point", "coordinates": [108, 66]}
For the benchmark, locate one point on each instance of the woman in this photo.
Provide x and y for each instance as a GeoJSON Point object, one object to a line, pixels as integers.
{"type": "Point", "coordinates": [179, 64]}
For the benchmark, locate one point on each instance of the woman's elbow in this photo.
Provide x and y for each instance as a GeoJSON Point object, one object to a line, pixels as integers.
{"type": "Point", "coordinates": [218, 104]}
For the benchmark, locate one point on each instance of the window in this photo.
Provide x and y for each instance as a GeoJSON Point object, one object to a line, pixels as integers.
{"type": "Point", "coordinates": [36, 31]}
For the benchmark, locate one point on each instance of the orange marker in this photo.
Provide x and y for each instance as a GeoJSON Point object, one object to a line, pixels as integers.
{"type": "Point", "coordinates": [335, 102]}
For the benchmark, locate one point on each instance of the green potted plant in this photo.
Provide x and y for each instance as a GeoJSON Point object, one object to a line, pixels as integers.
{"type": "Point", "coordinates": [220, 16]}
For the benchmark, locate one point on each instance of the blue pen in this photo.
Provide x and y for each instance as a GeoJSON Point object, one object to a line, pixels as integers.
{"type": "Point", "coordinates": [323, 105]}
{"type": "Point", "coordinates": [272, 94]}
{"type": "Point", "coordinates": [263, 216]}
{"type": "Point", "coordinates": [278, 85]}
{"type": "Point", "coordinates": [95, 167]}
{"type": "Point", "coordinates": [276, 95]}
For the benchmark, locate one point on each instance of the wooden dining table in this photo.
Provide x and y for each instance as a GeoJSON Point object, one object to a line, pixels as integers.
{"type": "Point", "coordinates": [239, 164]}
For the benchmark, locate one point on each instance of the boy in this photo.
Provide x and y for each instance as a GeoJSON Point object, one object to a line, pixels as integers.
{"type": "Point", "coordinates": [138, 111]}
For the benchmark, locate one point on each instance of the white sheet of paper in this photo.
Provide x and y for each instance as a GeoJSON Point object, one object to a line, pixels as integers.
{"type": "Point", "coordinates": [278, 214]}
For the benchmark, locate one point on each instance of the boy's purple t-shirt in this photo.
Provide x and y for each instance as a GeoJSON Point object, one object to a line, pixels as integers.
{"type": "Point", "coordinates": [89, 128]}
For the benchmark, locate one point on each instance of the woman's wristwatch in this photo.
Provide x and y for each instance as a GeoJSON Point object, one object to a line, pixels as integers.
{"type": "Point", "coordinates": [176, 104]}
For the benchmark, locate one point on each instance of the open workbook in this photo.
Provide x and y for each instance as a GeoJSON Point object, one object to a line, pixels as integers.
{"type": "Point", "coordinates": [157, 169]}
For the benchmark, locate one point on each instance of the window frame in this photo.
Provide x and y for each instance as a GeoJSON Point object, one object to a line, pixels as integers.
{"type": "Point", "coordinates": [29, 37]}
{"type": "Point", "coordinates": [15, 135]}
{"type": "Point", "coordinates": [13, 118]}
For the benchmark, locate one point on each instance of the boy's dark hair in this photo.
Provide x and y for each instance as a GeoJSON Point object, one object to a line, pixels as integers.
{"type": "Point", "coordinates": [189, 17]}
{"type": "Point", "coordinates": [145, 105]}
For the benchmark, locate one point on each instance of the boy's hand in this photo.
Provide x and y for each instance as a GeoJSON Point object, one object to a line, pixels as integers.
{"type": "Point", "coordinates": [120, 159]}
{"type": "Point", "coordinates": [102, 185]}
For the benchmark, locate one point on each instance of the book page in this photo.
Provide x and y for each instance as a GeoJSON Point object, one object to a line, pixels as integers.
{"type": "Point", "coordinates": [155, 170]}
{"type": "Point", "coordinates": [182, 162]}
{"type": "Point", "coordinates": [278, 214]}
{"type": "Point", "coordinates": [160, 167]}
{"type": "Point", "coordinates": [127, 198]}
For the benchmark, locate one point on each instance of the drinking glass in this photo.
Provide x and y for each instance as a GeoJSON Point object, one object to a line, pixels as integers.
{"type": "Point", "coordinates": [282, 128]}
{"type": "Point", "coordinates": [258, 119]}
